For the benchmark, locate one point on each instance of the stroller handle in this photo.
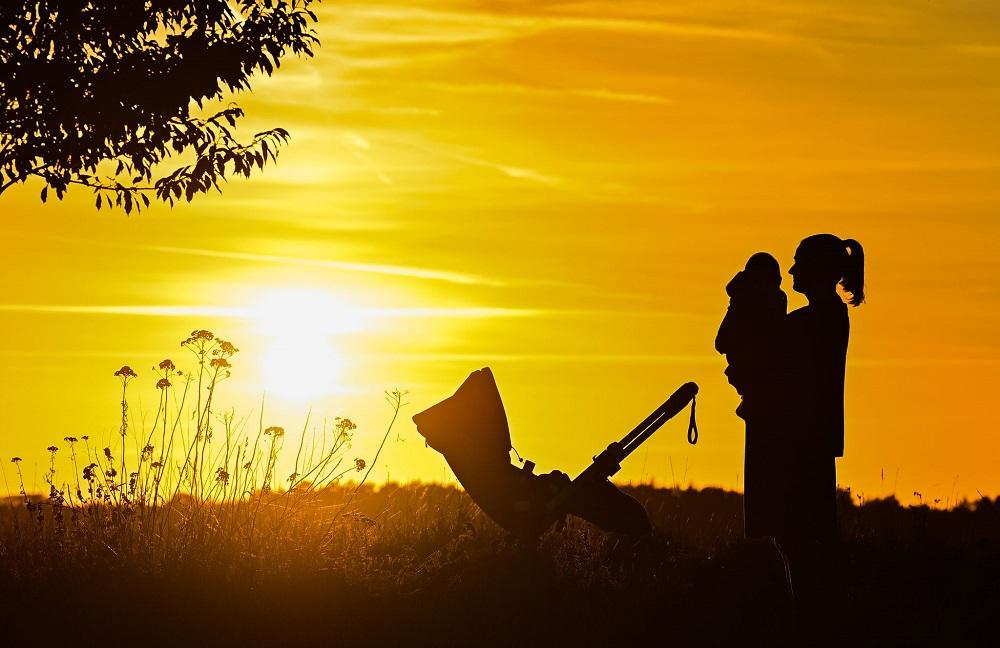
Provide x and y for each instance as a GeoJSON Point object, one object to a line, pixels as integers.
{"type": "Point", "coordinates": [608, 462]}
{"type": "Point", "coordinates": [669, 409]}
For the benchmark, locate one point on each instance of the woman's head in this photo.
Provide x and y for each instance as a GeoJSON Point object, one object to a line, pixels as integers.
{"type": "Point", "coordinates": [823, 260]}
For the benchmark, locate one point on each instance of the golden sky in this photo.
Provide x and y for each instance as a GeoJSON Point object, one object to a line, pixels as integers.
{"type": "Point", "coordinates": [560, 191]}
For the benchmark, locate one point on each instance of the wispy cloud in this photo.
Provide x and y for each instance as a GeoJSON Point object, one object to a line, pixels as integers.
{"type": "Point", "coordinates": [602, 94]}
{"type": "Point", "coordinates": [332, 264]}
{"type": "Point", "coordinates": [407, 25]}
{"type": "Point", "coordinates": [406, 110]}
{"type": "Point", "coordinates": [174, 310]}
{"type": "Point", "coordinates": [121, 309]}
{"type": "Point", "coordinates": [559, 358]}
{"type": "Point", "coordinates": [511, 171]}
{"type": "Point", "coordinates": [350, 266]}
{"type": "Point", "coordinates": [361, 146]}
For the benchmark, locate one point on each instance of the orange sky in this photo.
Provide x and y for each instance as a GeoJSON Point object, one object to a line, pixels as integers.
{"type": "Point", "coordinates": [559, 191]}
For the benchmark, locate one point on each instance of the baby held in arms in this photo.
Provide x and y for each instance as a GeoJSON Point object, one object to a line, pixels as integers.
{"type": "Point", "coordinates": [757, 306]}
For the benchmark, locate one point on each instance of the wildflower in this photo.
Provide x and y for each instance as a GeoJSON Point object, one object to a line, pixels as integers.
{"type": "Point", "coordinates": [226, 347]}
{"type": "Point", "coordinates": [15, 460]}
{"type": "Point", "coordinates": [246, 466]}
{"type": "Point", "coordinates": [199, 335]}
{"type": "Point", "coordinates": [359, 464]}
{"type": "Point", "coordinates": [156, 464]}
{"type": "Point", "coordinates": [86, 437]}
{"type": "Point", "coordinates": [88, 472]}
{"type": "Point", "coordinates": [147, 451]}
{"type": "Point", "coordinates": [220, 363]}
{"type": "Point", "coordinates": [293, 477]}
{"type": "Point", "coordinates": [52, 449]}
{"type": "Point", "coordinates": [126, 372]}
{"type": "Point", "coordinates": [70, 439]}
{"type": "Point", "coordinates": [275, 431]}
{"type": "Point", "coordinates": [162, 383]}
{"type": "Point", "coordinates": [107, 453]}
{"type": "Point", "coordinates": [167, 365]}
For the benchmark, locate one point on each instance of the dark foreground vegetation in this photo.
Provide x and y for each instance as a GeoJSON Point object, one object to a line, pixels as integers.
{"type": "Point", "coordinates": [419, 565]}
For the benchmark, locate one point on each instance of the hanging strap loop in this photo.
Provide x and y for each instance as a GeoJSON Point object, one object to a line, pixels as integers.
{"type": "Point", "coordinates": [692, 426]}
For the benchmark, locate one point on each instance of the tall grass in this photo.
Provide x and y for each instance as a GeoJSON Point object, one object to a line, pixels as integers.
{"type": "Point", "coordinates": [202, 485]}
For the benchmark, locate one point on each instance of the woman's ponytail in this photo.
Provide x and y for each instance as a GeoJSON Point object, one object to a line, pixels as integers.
{"type": "Point", "coordinates": [853, 280]}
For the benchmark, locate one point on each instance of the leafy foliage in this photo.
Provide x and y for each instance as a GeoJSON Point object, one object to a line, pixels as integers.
{"type": "Point", "coordinates": [115, 84]}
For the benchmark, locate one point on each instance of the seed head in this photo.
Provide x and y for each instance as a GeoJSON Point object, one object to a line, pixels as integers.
{"type": "Point", "coordinates": [126, 372]}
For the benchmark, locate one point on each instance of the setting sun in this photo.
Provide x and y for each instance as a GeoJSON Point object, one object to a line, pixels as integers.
{"type": "Point", "coordinates": [302, 360]}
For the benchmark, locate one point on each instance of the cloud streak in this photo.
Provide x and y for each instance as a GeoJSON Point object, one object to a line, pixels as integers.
{"type": "Point", "coordinates": [349, 266]}
{"type": "Point", "coordinates": [428, 274]}
{"type": "Point", "coordinates": [401, 25]}
{"type": "Point", "coordinates": [180, 310]}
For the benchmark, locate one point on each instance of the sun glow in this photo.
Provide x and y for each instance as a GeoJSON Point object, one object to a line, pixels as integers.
{"type": "Point", "coordinates": [301, 360]}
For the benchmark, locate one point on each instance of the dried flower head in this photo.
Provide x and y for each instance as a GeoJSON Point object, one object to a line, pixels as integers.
{"type": "Point", "coordinates": [15, 460]}
{"type": "Point", "coordinates": [221, 476]}
{"type": "Point", "coordinates": [52, 449]}
{"type": "Point", "coordinates": [167, 365]}
{"type": "Point", "coordinates": [344, 425]}
{"type": "Point", "coordinates": [359, 464]}
{"type": "Point", "coordinates": [220, 363]}
{"type": "Point", "coordinates": [162, 383]}
{"type": "Point", "coordinates": [126, 372]}
{"type": "Point", "coordinates": [275, 431]}
{"type": "Point", "coordinates": [70, 440]}
{"type": "Point", "coordinates": [107, 453]}
{"type": "Point", "coordinates": [198, 338]}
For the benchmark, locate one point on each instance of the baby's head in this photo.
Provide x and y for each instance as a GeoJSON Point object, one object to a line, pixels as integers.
{"type": "Point", "coordinates": [763, 270]}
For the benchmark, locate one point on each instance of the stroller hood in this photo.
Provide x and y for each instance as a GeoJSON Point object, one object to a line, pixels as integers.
{"type": "Point", "coordinates": [470, 423]}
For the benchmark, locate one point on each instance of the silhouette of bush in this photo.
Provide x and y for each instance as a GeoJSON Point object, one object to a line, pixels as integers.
{"type": "Point", "coordinates": [100, 94]}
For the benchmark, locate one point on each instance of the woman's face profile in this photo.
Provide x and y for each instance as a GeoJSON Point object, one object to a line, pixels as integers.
{"type": "Point", "coordinates": [811, 271]}
{"type": "Point", "coordinates": [798, 270]}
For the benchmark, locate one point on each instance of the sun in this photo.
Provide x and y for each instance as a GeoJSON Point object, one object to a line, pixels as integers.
{"type": "Point", "coordinates": [302, 360]}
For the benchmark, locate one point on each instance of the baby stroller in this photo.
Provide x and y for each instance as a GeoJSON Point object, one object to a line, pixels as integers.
{"type": "Point", "coordinates": [470, 429]}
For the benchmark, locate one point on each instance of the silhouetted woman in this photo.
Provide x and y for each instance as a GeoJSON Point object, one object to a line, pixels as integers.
{"type": "Point", "coordinates": [813, 355]}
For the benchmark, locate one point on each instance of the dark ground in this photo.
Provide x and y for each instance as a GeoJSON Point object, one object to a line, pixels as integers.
{"type": "Point", "coordinates": [421, 566]}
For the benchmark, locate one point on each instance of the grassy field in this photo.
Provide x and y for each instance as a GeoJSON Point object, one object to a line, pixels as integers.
{"type": "Point", "coordinates": [200, 528]}
{"type": "Point", "coordinates": [419, 565]}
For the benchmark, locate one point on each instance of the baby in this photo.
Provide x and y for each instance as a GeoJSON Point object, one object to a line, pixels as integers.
{"type": "Point", "coordinates": [756, 307]}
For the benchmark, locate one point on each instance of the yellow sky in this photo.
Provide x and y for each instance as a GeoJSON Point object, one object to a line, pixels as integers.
{"type": "Point", "coordinates": [561, 191]}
